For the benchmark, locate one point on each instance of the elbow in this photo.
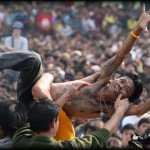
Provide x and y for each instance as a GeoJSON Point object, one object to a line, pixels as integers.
{"type": "Point", "coordinates": [37, 91]}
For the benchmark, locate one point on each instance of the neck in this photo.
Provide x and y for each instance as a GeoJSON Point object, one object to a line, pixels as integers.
{"type": "Point", "coordinates": [46, 134]}
{"type": "Point", "coordinates": [104, 95]}
{"type": "Point", "coordinates": [105, 103]}
{"type": "Point", "coordinates": [16, 36]}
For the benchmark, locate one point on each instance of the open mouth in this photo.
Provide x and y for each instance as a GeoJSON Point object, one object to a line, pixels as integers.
{"type": "Point", "coordinates": [117, 89]}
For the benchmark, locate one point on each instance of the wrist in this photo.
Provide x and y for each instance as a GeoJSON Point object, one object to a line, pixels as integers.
{"type": "Point", "coordinates": [137, 30]}
{"type": "Point", "coordinates": [119, 112]}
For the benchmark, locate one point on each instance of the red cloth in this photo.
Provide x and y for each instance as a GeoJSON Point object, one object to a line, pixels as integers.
{"type": "Point", "coordinates": [44, 21]}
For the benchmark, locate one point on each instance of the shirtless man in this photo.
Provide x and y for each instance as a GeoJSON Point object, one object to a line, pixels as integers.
{"type": "Point", "coordinates": [86, 103]}
{"type": "Point", "coordinates": [90, 100]}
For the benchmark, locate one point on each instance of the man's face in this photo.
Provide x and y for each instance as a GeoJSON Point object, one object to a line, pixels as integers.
{"type": "Point", "coordinates": [126, 136]}
{"type": "Point", "coordinates": [143, 127]}
{"type": "Point", "coordinates": [17, 31]}
{"type": "Point", "coordinates": [124, 85]}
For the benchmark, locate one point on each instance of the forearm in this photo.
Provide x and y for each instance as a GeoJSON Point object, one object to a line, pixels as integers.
{"type": "Point", "coordinates": [127, 46]}
{"type": "Point", "coordinates": [10, 48]}
{"type": "Point", "coordinates": [138, 109]}
{"type": "Point", "coordinates": [111, 65]}
{"type": "Point", "coordinates": [63, 99]}
{"type": "Point", "coordinates": [111, 124]}
{"type": "Point", "coordinates": [92, 78]}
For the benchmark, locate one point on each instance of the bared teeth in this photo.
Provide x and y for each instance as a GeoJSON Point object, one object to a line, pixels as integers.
{"type": "Point", "coordinates": [117, 89]}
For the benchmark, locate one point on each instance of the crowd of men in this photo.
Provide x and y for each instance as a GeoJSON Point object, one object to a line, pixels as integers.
{"type": "Point", "coordinates": [74, 40]}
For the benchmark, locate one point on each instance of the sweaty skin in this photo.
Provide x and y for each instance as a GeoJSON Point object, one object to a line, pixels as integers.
{"type": "Point", "coordinates": [82, 104]}
{"type": "Point", "coordinates": [86, 102]}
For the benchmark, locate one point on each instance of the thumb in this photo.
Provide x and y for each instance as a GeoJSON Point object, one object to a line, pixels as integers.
{"type": "Point", "coordinates": [119, 97]}
{"type": "Point", "coordinates": [146, 30]}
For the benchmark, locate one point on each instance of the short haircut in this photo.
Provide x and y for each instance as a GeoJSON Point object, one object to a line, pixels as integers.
{"type": "Point", "coordinates": [13, 115]}
{"type": "Point", "coordinates": [138, 86]}
{"type": "Point", "coordinates": [128, 127]}
{"type": "Point", "coordinates": [143, 120]}
{"type": "Point", "coordinates": [91, 126]}
{"type": "Point", "coordinates": [41, 113]}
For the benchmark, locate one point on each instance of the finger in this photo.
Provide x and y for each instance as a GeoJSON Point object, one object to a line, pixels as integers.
{"type": "Point", "coordinates": [143, 8]}
{"type": "Point", "coordinates": [125, 99]}
{"type": "Point", "coordinates": [80, 85]}
{"type": "Point", "coordinates": [146, 30]}
{"type": "Point", "coordinates": [119, 97]}
{"type": "Point", "coordinates": [148, 12]}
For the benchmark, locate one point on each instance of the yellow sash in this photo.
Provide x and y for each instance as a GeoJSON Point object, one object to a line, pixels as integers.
{"type": "Point", "coordinates": [66, 129]}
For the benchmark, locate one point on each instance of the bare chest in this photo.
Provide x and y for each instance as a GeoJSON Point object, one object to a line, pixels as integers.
{"type": "Point", "coordinates": [82, 104]}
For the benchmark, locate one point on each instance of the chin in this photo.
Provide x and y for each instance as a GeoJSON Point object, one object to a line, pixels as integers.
{"type": "Point", "coordinates": [111, 98]}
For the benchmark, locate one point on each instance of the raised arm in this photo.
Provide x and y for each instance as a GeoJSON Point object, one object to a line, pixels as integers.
{"type": "Point", "coordinates": [112, 64]}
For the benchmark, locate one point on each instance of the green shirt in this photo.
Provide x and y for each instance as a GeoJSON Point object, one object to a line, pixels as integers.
{"type": "Point", "coordinates": [26, 138]}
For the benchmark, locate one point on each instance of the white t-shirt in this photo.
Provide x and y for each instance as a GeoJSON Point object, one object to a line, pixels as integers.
{"type": "Point", "coordinates": [130, 119]}
{"type": "Point", "coordinates": [22, 43]}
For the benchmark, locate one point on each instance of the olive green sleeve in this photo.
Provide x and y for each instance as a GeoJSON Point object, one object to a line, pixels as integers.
{"type": "Point", "coordinates": [95, 140]}
{"type": "Point", "coordinates": [25, 138]}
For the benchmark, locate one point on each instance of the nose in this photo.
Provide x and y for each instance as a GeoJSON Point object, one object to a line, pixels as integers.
{"type": "Point", "coordinates": [120, 86]}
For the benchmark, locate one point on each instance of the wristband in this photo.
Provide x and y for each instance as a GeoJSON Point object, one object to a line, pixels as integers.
{"type": "Point", "coordinates": [134, 35]}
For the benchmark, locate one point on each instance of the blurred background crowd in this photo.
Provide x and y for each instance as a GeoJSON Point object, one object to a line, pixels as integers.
{"type": "Point", "coordinates": [74, 39]}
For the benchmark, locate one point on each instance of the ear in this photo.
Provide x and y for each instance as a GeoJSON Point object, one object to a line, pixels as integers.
{"type": "Point", "coordinates": [53, 123]}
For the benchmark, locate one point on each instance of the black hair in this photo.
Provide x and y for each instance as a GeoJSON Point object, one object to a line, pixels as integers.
{"type": "Point", "coordinates": [138, 86]}
{"type": "Point", "coordinates": [128, 127]}
{"type": "Point", "coordinates": [13, 115]}
{"type": "Point", "coordinates": [69, 76]}
{"type": "Point", "coordinates": [90, 125]}
{"type": "Point", "coordinates": [41, 113]}
{"type": "Point", "coordinates": [143, 120]}
{"type": "Point", "coordinates": [147, 133]}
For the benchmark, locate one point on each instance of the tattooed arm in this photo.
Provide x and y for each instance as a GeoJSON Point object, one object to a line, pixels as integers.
{"type": "Point", "coordinates": [43, 85]}
{"type": "Point", "coordinates": [111, 65]}
{"type": "Point", "coordinates": [68, 95]}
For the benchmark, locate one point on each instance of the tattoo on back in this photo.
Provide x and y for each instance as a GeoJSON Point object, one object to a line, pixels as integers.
{"type": "Point", "coordinates": [87, 92]}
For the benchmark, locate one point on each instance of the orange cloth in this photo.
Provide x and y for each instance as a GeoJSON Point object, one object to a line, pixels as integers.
{"type": "Point", "coordinates": [66, 129]}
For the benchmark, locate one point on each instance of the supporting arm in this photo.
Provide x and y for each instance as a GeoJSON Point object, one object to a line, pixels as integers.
{"type": "Point", "coordinates": [139, 109]}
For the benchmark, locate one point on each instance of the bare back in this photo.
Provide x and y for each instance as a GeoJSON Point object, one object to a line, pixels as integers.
{"type": "Point", "coordinates": [82, 104]}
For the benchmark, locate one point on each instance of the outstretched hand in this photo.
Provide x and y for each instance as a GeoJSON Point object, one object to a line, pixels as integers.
{"type": "Point", "coordinates": [77, 87]}
{"type": "Point", "coordinates": [68, 95]}
{"type": "Point", "coordinates": [144, 19]}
